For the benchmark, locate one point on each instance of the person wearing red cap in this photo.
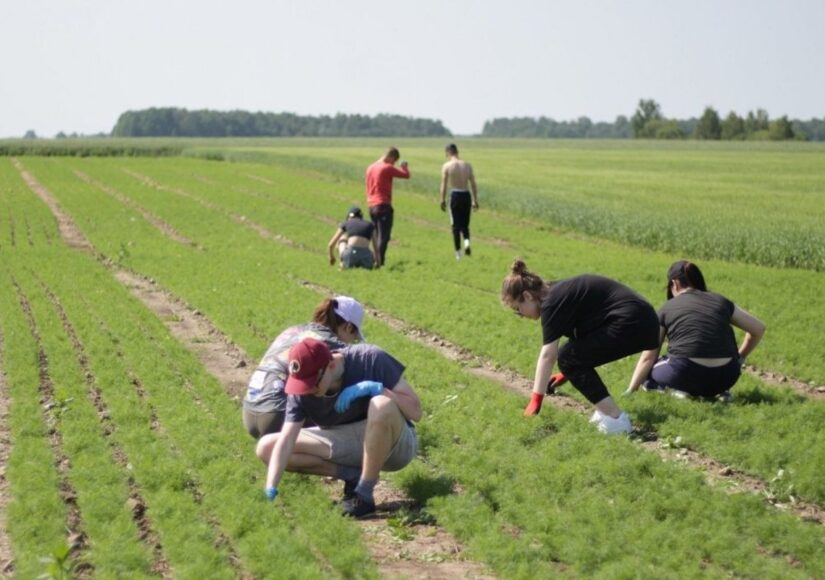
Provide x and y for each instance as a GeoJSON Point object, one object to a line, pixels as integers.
{"type": "Point", "coordinates": [378, 179]}
{"type": "Point", "coordinates": [337, 321]}
{"type": "Point", "coordinates": [702, 359]}
{"type": "Point", "coordinates": [361, 429]}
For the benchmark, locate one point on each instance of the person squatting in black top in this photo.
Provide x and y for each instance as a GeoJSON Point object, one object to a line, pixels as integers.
{"type": "Point", "coordinates": [458, 174]}
{"type": "Point", "coordinates": [603, 320]}
{"type": "Point", "coordinates": [353, 239]}
{"type": "Point", "coordinates": [702, 358]}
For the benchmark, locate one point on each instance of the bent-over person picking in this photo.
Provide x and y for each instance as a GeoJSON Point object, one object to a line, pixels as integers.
{"type": "Point", "coordinates": [362, 428]}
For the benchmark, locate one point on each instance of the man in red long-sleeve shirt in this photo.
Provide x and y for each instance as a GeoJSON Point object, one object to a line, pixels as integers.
{"type": "Point", "coordinates": [379, 197]}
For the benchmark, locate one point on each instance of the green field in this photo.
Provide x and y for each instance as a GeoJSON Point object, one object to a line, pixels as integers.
{"type": "Point", "coordinates": [106, 407]}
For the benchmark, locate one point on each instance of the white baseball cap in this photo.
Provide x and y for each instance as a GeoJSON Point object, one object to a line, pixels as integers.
{"type": "Point", "coordinates": [350, 310]}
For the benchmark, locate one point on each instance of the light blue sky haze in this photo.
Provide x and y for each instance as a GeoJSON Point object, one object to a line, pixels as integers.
{"type": "Point", "coordinates": [75, 65]}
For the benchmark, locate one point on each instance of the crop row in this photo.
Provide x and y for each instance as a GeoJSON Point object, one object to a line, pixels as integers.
{"type": "Point", "coordinates": [240, 260]}
{"type": "Point", "coordinates": [557, 475]}
{"type": "Point", "coordinates": [137, 441]}
{"type": "Point", "coordinates": [726, 203]}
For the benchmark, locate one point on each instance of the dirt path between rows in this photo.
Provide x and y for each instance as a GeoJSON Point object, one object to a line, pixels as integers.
{"type": "Point", "coordinates": [6, 556]}
{"type": "Point", "coordinates": [427, 551]}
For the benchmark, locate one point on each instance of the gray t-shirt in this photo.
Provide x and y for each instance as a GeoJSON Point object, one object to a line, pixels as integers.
{"type": "Point", "coordinates": [265, 391]}
{"type": "Point", "coordinates": [697, 324]}
{"type": "Point", "coordinates": [362, 362]}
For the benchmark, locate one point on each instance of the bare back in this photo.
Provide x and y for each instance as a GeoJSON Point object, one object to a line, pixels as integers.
{"type": "Point", "coordinates": [458, 174]}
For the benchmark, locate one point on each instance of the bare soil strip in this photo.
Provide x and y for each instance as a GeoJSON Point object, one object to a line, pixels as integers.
{"type": "Point", "coordinates": [810, 389]}
{"type": "Point", "coordinates": [76, 537]}
{"type": "Point", "coordinates": [713, 470]}
{"type": "Point", "coordinates": [159, 224]}
{"type": "Point", "coordinates": [430, 553]}
{"type": "Point", "coordinates": [6, 555]}
{"type": "Point", "coordinates": [137, 505]}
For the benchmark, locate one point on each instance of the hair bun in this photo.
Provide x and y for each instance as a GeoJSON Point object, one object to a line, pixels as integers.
{"type": "Point", "coordinates": [518, 267]}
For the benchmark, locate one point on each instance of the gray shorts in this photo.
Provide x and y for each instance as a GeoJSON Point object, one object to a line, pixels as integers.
{"type": "Point", "coordinates": [346, 443]}
{"type": "Point", "coordinates": [356, 257]}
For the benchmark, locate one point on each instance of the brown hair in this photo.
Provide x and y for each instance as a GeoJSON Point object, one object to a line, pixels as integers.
{"type": "Point", "coordinates": [392, 154]}
{"type": "Point", "coordinates": [325, 315]}
{"type": "Point", "coordinates": [518, 281]}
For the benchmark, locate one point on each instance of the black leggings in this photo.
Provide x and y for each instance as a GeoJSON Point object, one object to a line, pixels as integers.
{"type": "Point", "coordinates": [460, 205]}
{"type": "Point", "coordinates": [685, 375]}
{"type": "Point", "coordinates": [381, 216]}
{"type": "Point", "coordinates": [637, 329]}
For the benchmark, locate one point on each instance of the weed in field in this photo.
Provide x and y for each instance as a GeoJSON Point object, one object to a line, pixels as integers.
{"type": "Point", "coordinates": [58, 564]}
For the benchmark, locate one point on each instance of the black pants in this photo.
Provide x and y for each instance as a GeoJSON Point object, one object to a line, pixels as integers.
{"type": "Point", "coordinates": [634, 330]}
{"type": "Point", "coordinates": [698, 380]}
{"type": "Point", "coordinates": [381, 216]}
{"type": "Point", "coordinates": [460, 206]}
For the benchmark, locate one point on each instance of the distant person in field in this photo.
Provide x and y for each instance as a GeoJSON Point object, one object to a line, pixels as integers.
{"type": "Point", "coordinates": [353, 239]}
{"type": "Point", "coordinates": [702, 358]}
{"type": "Point", "coordinates": [363, 409]}
{"type": "Point", "coordinates": [379, 178]}
{"type": "Point", "coordinates": [603, 320]}
{"type": "Point", "coordinates": [336, 321]}
{"type": "Point", "coordinates": [457, 175]}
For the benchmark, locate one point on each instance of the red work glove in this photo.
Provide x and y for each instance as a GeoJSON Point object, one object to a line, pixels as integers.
{"type": "Point", "coordinates": [535, 405]}
{"type": "Point", "coordinates": [555, 381]}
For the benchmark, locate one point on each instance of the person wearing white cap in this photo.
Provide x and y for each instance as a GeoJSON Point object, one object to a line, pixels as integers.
{"type": "Point", "coordinates": [336, 321]}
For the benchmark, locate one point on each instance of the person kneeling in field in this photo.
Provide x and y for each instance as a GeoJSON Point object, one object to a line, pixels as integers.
{"type": "Point", "coordinates": [353, 239]}
{"type": "Point", "coordinates": [337, 321]}
{"type": "Point", "coordinates": [702, 359]}
{"type": "Point", "coordinates": [360, 430]}
{"type": "Point", "coordinates": [603, 320]}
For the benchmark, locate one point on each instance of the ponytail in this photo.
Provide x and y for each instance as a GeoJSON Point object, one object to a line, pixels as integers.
{"type": "Point", "coordinates": [325, 315]}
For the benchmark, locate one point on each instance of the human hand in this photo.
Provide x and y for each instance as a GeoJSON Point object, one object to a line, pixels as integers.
{"type": "Point", "coordinates": [332, 260]}
{"type": "Point", "coordinates": [404, 164]}
{"type": "Point", "coordinates": [742, 360]}
{"type": "Point", "coordinates": [555, 381]}
{"type": "Point", "coordinates": [443, 206]}
{"type": "Point", "coordinates": [629, 391]}
{"type": "Point", "coordinates": [356, 391]}
{"type": "Point", "coordinates": [475, 205]}
{"type": "Point", "coordinates": [271, 493]}
{"type": "Point", "coordinates": [535, 405]}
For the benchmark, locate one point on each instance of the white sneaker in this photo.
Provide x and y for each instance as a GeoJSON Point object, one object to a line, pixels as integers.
{"type": "Point", "coordinates": [611, 426]}
{"type": "Point", "coordinates": [596, 417]}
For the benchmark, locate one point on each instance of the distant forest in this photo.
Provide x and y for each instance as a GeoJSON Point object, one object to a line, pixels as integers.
{"type": "Point", "coordinates": [648, 122]}
{"type": "Point", "coordinates": [174, 122]}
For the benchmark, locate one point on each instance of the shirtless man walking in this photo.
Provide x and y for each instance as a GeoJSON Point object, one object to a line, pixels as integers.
{"type": "Point", "coordinates": [458, 174]}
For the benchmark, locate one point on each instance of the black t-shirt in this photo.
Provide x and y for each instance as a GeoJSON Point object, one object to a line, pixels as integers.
{"type": "Point", "coordinates": [362, 362]}
{"type": "Point", "coordinates": [358, 227]}
{"type": "Point", "coordinates": [576, 306]}
{"type": "Point", "coordinates": [698, 325]}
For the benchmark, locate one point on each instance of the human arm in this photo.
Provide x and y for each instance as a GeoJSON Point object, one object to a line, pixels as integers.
{"type": "Point", "coordinates": [548, 356]}
{"type": "Point", "coordinates": [407, 400]}
{"type": "Point", "coordinates": [332, 243]}
{"type": "Point", "coordinates": [443, 189]}
{"type": "Point", "coordinates": [646, 361]}
{"type": "Point", "coordinates": [280, 455]}
{"type": "Point", "coordinates": [402, 171]}
{"type": "Point", "coordinates": [473, 188]}
{"type": "Point", "coordinates": [753, 327]}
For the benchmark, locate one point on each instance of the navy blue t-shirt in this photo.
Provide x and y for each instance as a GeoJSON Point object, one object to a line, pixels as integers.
{"type": "Point", "coordinates": [362, 362]}
{"type": "Point", "coordinates": [358, 227]}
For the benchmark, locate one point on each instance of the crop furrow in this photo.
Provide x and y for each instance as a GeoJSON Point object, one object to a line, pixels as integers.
{"type": "Point", "coordinates": [162, 226]}
{"type": "Point", "coordinates": [237, 218]}
{"type": "Point", "coordinates": [76, 537]}
{"type": "Point", "coordinates": [28, 232]}
{"type": "Point", "coordinates": [6, 557]}
{"type": "Point", "coordinates": [137, 503]}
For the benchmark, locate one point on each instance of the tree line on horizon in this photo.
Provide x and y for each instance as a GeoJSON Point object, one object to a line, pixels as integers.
{"type": "Point", "coordinates": [175, 122]}
{"type": "Point", "coordinates": [648, 122]}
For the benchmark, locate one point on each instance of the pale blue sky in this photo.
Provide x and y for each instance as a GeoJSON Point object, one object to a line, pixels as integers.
{"type": "Point", "coordinates": [75, 65]}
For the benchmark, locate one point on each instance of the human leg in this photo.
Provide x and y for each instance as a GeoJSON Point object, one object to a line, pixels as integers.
{"type": "Point", "coordinates": [382, 217]}
{"type": "Point", "coordinates": [310, 455]}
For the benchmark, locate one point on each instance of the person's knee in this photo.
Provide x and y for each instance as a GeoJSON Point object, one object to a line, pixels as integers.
{"type": "Point", "coordinates": [264, 447]}
{"type": "Point", "coordinates": [383, 410]}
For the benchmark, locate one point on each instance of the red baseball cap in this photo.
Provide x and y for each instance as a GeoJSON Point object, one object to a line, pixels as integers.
{"type": "Point", "coordinates": [307, 360]}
